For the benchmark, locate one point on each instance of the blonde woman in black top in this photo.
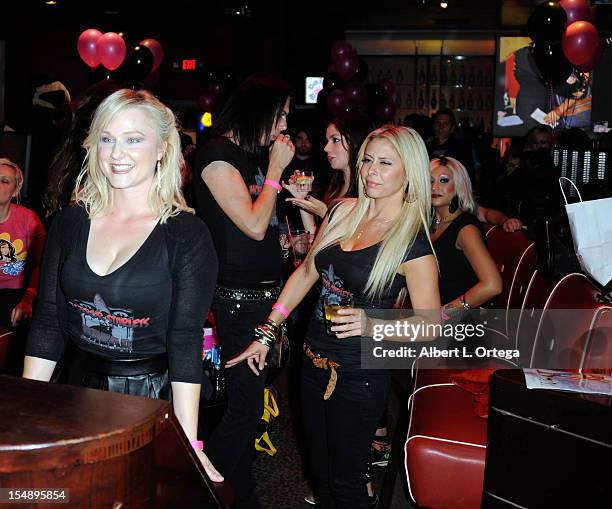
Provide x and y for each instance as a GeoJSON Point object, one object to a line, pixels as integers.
{"type": "Point", "coordinates": [369, 248]}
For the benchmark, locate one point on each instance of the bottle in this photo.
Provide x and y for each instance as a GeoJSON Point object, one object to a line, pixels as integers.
{"type": "Point", "coordinates": [422, 78]}
{"type": "Point", "coordinates": [398, 99]}
{"type": "Point", "coordinates": [443, 75]}
{"type": "Point", "coordinates": [409, 100]}
{"type": "Point", "coordinates": [421, 101]}
{"type": "Point", "coordinates": [453, 77]}
{"type": "Point", "coordinates": [479, 102]}
{"type": "Point", "coordinates": [451, 102]}
{"type": "Point", "coordinates": [479, 77]}
{"type": "Point", "coordinates": [471, 79]}
{"type": "Point", "coordinates": [399, 77]}
{"type": "Point", "coordinates": [434, 102]}
{"type": "Point", "coordinates": [442, 99]}
{"type": "Point", "coordinates": [461, 79]}
{"type": "Point", "coordinates": [470, 102]}
{"type": "Point", "coordinates": [461, 101]}
{"type": "Point", "coordinates": [434, 75]}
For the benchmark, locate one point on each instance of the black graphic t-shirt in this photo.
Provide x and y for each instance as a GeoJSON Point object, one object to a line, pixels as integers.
{"type": "Point", "coordinates": [156, 302]}
{"type": "Point", "coordinates": [346, 273]}
{"type": "Point", "coordinates": [243, 262]}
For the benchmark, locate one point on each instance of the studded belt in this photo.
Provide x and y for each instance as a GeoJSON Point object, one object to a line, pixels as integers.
{"type": "Point", "coordinates": [234, 294]}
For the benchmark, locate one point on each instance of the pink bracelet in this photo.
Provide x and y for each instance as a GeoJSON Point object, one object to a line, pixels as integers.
{"type": "Point", "coordinates": [281, 309]}
{"type": "Point", "coordinates": [274, 184]}
{"type": "Point", "coordinates": [197, 444]}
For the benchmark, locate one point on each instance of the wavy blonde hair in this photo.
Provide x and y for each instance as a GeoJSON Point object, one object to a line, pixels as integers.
{"type": "Point", "coordinates": [463, 185]}
{"type": "Point", "coordinates": [5, 161]}
{"type": "Point", "coordinates": [92, 189]}
{"type": "Point", "coordinates": [414, 217]}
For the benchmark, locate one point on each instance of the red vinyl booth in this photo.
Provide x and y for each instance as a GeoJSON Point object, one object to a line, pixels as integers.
{"type": "Point", "coordinates": [446, 440]}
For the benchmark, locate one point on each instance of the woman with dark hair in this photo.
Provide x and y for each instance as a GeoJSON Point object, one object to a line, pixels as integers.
{"type": "Point", "coordinates": [238, 200]}
{"type": "Point", "coordinates": [344, 136]}
{"type": "Point", "coordinates": [68, 161]}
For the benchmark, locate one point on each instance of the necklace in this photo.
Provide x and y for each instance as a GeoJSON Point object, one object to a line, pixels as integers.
{"type": "Point", "coordinates": [440, 220]}
{"type": "Point", "coordinates": [375, 223]}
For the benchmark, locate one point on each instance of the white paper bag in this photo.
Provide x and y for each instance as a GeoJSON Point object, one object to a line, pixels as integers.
{"type": "Point", "coordinates": [591, 225]}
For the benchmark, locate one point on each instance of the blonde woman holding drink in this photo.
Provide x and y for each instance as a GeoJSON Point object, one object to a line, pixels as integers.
{"type": "Point", "coordinates": [368, 249]}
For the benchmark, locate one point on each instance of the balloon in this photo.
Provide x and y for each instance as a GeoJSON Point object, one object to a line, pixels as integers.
{"type": "Point", "coordinates": [576, 10]}
{"type": "Point", "coordinates": [355, 92]}
{"type": "Point", "coordinates": [551, 62]}
{"type": "Point", "coordinates": [388, 86]}
{"type": "Point", "coordinates": [216, 88]}
{"type": "Point", "coordinates": [336, 102]}
{"type": "Point", "coordinates": [87, 47]}
{"type": "Point", "coordinates": [580, 42]}
{"type": "Point", "coordinates": [375, 94]}
{"type": "Point", "coordinates": [347, 66]}
{"type": "Point", "coordinates": [339, 49]}
{"type": "Point", "coordinates": [386, 110]}
{"type": "Point", "coordinates": [332, 81]}
{"type": "Point", "coordinates": [155, 48]}
{"type": "Point", "coordinates": [138, 64]}
{"type": "Point", "coordinates": [547, 22]}
{"type": "Point", "coordinates": [207, 102]}
{"type": "Point", "coordinates": [362, 71]}
{"type": "Point", "coordinates": [592, 63]}
{"type": "Point", "coordinates": [111, 50]}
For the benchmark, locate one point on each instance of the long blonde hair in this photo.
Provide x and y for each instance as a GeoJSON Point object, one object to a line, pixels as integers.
{"type": "Point", "coordinates": [414, 216]}
{"type": "Point", "coordinates": [92, 189]}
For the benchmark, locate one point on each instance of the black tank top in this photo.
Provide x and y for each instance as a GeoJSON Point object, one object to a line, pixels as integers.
{"type": "Point", "coordinates": [456, 273]}
{"type": "Point", "coordinates": [243, 262]}
{"type": "Point", "coordinates": [346, 273]}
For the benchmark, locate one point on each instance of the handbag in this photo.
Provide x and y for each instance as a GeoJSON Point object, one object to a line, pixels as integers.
{"type": "Point", "coordinates": [592, 234]}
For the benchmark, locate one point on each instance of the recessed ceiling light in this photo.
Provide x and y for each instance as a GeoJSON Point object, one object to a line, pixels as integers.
{"type": "Point", "coordinates": [51, 2]}
{"type": "Point", "coordinates": [444, 5]}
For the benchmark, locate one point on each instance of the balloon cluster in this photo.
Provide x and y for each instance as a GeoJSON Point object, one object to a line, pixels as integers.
{"type": "Point", "coordinates": [217, 86]}
{"type": "Point", "coordinates": [563, 38]}
{"type": "Point", "coordinates": [344, 87]}
{"type": "Point", "coordinates": [111, 52]}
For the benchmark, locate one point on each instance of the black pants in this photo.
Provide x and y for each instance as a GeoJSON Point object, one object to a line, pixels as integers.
{"type": "Point", "coordinates": [231, 447]}
{"type": "Point", "coordinates": [339, 432]}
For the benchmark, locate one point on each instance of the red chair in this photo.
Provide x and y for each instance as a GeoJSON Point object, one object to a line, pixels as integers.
{"type": "Point", "coordinates": [518, 289]}
{"type": "Point", "coordinates": [565, 324]}
{"type": "Point", "coordinates": [597, 355]}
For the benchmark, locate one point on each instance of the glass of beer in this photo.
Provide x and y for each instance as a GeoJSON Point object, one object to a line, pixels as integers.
{"type": "Point", "coordinates": [331, 304]}
{"type": "Point", "coordinates": [304, 180]}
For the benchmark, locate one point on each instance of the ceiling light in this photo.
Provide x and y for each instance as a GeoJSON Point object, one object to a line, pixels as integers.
{"type": "Point", "coordinates": [444, 5]}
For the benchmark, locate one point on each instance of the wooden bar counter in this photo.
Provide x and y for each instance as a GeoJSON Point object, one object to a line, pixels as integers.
{"type": "Point", "coordinates": [109, 450]}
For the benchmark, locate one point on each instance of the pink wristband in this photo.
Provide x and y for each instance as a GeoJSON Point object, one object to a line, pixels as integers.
{"type": "Point", "coordinates": [281, 309]}
{"type": "Point", "coordinates": [274, 184]}
{"type": "Point", "coordinates": [197, 444]}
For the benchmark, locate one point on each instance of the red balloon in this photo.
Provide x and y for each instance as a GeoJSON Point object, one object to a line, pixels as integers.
{"type": "Point", "coordinates": [576, 10]}
{"type": "Point", "coordinates": [339, 49]}
{"type": "Point", "coordinates": [87, 47]}
{"type": "Point", "coordinates": [592, 63]}
{"type": "Point", "coordinates": [336, 102]}
{"type": "Point", "coordinates": [207, 102]}
{"type": "Point", "coordinates": [580, 42]}
{"type": "Point", "coordinates": [111, 50]}
{"type": "Point", "coordinates": [155, 48]}
{"type": "Point", "coordinates": [347, 66]}
{"type": "Point", "coordinates": [355, 92]}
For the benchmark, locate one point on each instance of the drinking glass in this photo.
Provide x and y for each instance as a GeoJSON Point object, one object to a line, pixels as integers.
{"type": "Point", "coordinates": [300, 244]}
{"type": "Point", "coordinates": [332, 303]}
{"type": "Point", "coordinates": [304, 180]}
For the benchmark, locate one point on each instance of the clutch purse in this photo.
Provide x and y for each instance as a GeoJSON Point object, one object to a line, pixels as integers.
{"type": "Point", "coordinates": [278, 355]}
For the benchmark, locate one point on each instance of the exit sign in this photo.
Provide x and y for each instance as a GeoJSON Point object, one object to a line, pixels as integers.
{"type": "Point", "coordinates": [187, 64]}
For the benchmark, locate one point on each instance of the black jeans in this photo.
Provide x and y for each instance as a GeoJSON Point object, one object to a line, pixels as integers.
{"type": "Point", "coordinates": [231, 447]}
{"type": "Point", "coordinates": [339, 432]}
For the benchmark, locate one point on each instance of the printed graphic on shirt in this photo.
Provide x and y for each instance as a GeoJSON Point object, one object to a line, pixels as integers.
{"type": "Point", "coordinates": [332, 290]}
{"type": "Point", "coordinates": [12, 255]}
{"type": "Point", "coordinates": [111, 328]}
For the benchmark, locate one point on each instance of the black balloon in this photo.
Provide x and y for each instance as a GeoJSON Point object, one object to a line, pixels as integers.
{"type": "Point", "coordinates": [138, 64]}
{"type": "Point", "coordinates": [331, 81]}
{"type": "Point", "coordinates": [551, 62]}
{"type": "Point", "coordinates": [547, 22]}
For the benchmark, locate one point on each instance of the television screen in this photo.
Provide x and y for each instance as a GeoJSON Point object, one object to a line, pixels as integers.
{"type": "Point", "coordinates": [314, 84]}
{"type": "Point", "coordinates": [522, 100]}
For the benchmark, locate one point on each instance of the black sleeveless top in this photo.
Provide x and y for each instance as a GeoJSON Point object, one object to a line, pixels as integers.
{"type": "Point", "coordinates": [243, 262]}
{"type": "Point", "coordinates": [456, 273]}
{"type": "Point", "coordinates": [346, 273]}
